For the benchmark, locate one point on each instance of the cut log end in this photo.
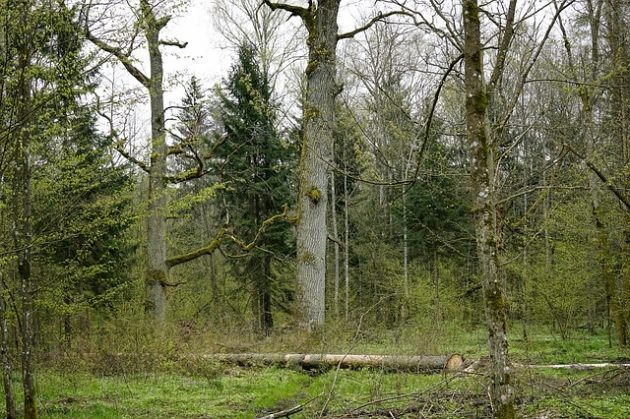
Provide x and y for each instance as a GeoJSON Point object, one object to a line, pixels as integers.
{"type": "Point", "coordinates": [454, 362]}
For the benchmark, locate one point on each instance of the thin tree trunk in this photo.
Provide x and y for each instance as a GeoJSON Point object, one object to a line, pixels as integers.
{"type": "Point", "coordinates": [436, 284]}
{"type": "Point", "coordinates": [209, 262]}
{"type": "Point", "coordinates": [346, 242]}
{"type": "Point", "coordinates": [404, 307]}
{"type": "Point", "coordinates": [620, 129]}
{"type": "Point", "coordinates": [482, 168]}
{"type": "Point", "coordinates": [9, 397]}
{"type": "Point", "coordinates": [22, 223]}
{"type": "Point", "coordinates": [333, 213]}
{"type": "Point", "coordinates": [263, 297]}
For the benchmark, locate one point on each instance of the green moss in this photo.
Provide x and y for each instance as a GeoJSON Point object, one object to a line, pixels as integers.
{"type": "Point", "coordinates": [308, 257]}
{"type": "Point", "coordinates": [155, 276]}
{"type": "Point", "coordinates": [314, 195]}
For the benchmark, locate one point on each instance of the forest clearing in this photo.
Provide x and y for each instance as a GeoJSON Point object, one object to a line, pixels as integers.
{"type": "Point", "coordinates": [170, 384]}
{"type": "Point", "coordinates": [315, 208]}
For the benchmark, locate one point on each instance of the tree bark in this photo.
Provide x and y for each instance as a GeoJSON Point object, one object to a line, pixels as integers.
{"type": "Point", "coordinates": [9, 397]}
{"type": "Point", "coordinates": [320, 21]}
{"type": "Point", "coordinates": [481, 171]}
{"type": "Point", "coordinates": [310, 361]}
{"type": "Point", "coordinates": [621, 133]}
{"type": "Point", "coordinates": [404, 308]}
{"type": "Point", "coordinates": [321, 24]}
{"type": "Point", "coordinates": [333, 215]}
{"type": "Point", "coordinates": [346, 241]}
{"type": "Point", "coordinates": [22, 231]}
{"type": "Point", "coordinates": [156, 274]}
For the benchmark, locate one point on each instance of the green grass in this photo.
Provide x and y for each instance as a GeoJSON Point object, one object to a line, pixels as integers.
{"type": "Point", "coordinates": [240, 393]}
{"type": "Point", "coordinates": [246, 393]}
{"type": "Point", "coordinates": [168, 387]}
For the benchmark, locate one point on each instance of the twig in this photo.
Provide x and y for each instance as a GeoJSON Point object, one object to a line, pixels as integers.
{"type": "Point", "coordinates": [284, 413]}
{"type": "Point", "coordinates": [288, 412]}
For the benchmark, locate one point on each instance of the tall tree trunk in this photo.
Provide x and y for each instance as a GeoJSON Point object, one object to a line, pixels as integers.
{"type": "Point", "coordinates": [346, 242]}
{"type": "Point", "coordinates": [156, 275]}
{"type": "Point", "coordinates": [404, 308]}
{"type": "Point", "coordinates": [317, 142]}
{"type": "Point", "coordinates": [261, 294]}
{"type": "Point", "coordinates": [613, 312]}
{"type": "Point", "coordinates": [621, 133]}
{"type": "Point", "coordinates": [22, 222]}
{"type": "Point", "coordinates": [333, 214]}
{"type": "Point", "coordinates": [9, 397]}
{"type": "Point", "coordinates": [481, 170]}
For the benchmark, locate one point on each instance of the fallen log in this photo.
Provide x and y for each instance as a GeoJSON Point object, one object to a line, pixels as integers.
{"type": "Point", "coordinates": [426, 363]}
{"type": "Point", "coordinates": [391, 363]}
{"type": "Point", "coordinates": [579, 366]}
{"type": "Point", "coordinates": [483, 364]}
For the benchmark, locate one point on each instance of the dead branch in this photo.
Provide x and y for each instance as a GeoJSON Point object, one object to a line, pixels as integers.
{"type": "Point", "coordinates": [601, 176]}
{"type": "Point", "coordinates": [223, 233]}
{"type": "Point", "coordinates": [378, 18]}
{"type": "Point", "coordinates": [283, 413]}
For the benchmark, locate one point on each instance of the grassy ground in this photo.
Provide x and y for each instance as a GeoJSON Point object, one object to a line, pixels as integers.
{"type": "Point", "coordinates": [238, 393]}
{"type": "Point", "coordinates": [141, 387]}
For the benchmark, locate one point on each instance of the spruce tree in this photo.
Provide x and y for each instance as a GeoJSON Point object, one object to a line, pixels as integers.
{"type": "Point", "coordinates": [256, 170]}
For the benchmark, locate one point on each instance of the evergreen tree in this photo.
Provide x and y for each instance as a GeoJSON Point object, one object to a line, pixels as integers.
{"type": "Point", "coordinates": [62, 210]}
{"type": "Point", "coordinates": [256, 169]}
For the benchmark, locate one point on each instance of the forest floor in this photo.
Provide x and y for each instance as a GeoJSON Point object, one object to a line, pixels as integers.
{"type": "Point", "coordinates": [76, 387]}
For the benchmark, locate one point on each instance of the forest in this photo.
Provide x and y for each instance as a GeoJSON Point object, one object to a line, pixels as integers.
{"type": "Point", "coordinates": [315, 208]}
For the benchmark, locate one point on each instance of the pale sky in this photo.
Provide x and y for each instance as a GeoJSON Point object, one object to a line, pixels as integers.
{"type": "Point", "coordinates": [206, 56]}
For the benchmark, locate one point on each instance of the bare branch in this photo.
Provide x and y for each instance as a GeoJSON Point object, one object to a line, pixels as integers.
{"type": "Point", "coordinates": [172, 43]}
{"type": "Point", "coordinates": [525, 73]}
{"type": "Point", "coordinates": [119, 147]}
{"type": "Point", "coordinates": [123, 58]}
{"type": "Point", "coordinates": [302, 12]}
{"type": "Point", "coordinates": [379, 17]}
{"type": "Point", "coordinates": [162, 22]}
{"type": "Point", "coordinates": [119, 141]}
{"type": "Point", "coordinates": [497, 71]}
{"type": "Point", "coordinates": [601, 176]}
{"type": "Point", "coordinates": [223, 233]}
{"type": "Point", "coordinates": [206, 250]}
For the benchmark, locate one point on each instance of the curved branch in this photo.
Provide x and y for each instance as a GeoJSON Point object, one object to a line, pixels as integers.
{"type": "Point", "coordinates": [284, 216]}
{"type": "Point", "coordinates": [123, 58]}
{"type": "Point", "coordinates": [302, 12]}
{"type": "Point", "coordinates": [601, 176]}
{"type": "Point", "coordinates": [223, 233]}
{"type": "Point", "coordinates": [379, 17]}
{"type": "Point", "coordinates": [119, 142]}
{"type": "Point", "coordinates": [173, 43]}
{"type": "Point", "coordinates": [206, 250]}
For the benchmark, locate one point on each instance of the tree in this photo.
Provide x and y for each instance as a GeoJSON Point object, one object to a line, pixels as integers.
{"type": "Point", "coordinates": [150, 21]}
{"type": "Point", "coordinates": [256, 172]}
{"type": "Point", "coordinates": [483, 190]}
{"type": "Point", "coordinates": [320, 21]}
{"type": "Point", "coordinates": [45, 76]}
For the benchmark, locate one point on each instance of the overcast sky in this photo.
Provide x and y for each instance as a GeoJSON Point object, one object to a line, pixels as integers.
{"type": "Point", "coordinates": [206, 56]}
